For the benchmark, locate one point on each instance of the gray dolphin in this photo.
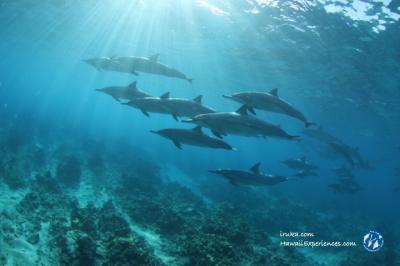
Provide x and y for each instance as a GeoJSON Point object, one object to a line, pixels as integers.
{"type": "Point", "coordinates": [174, 106]}
{"type": "Point", "coordinates": [149, 105]}
{"type": "Point", "coordinates": [344, 151]}
{"type": "Point", "coordinates": [148, 65]}
{"type": "Point", "coordinates": [194, 137]}
{"type": "Point", "coordinates": [124, 92]}
{"type": "Point", "coordinates": [109, 64]}
{"type": "Point", "coordinates": [268, 101]}
{"type": "Point", "coordinates": [300, 164]}
{"type": "Point", "coordinates": [239, 123]}
{"type": "Point", "coordinates": [185, 108]}
{"type": "Point", "coordinates": [321, 135]}
{"type": "Point", "coordinates": [253, 177]}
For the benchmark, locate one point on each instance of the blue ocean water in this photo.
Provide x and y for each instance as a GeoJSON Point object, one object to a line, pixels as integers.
{"type": "Point", "coordinates": [336, 61]}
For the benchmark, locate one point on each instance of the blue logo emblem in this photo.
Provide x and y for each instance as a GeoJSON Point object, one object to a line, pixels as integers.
{"type": "Point", "coordinates": [373, 241]}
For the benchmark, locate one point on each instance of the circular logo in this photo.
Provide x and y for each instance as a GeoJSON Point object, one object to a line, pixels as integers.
{"type": "Point", "coordinates": [373, 241]}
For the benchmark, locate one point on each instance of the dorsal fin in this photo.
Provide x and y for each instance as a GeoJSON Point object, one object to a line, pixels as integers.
{"type": "Point", "coordinates": [242, 110]}
{"type": "Point", "coordinates": [197, 129]}
{"type": "Point", "coordinates": [198, 99]}
{"type": "Point", "coordinates": [274, 92]}
{"type": "Point", "coordinates": [154, 57]}
{"type": "Point", "coordinates": [255, 168]}
{"type": "Point", "coordinates": [132, 86]}
{"type": "Point", "coordinates": [165, 95]}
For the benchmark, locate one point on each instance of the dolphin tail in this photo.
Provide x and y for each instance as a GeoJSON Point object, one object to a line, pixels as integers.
{"type": "Point", "coordinates": [309, 124]}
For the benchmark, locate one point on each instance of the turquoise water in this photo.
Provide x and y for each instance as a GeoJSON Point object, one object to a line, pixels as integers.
{"type": "Point", "coordinates": [75, 164]}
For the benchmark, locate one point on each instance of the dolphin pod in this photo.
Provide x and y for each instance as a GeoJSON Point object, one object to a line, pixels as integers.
{"type": "Point", "coordinates": [242, 122]}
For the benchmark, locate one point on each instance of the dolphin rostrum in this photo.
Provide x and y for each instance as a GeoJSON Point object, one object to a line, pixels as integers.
{"type": "Point", "coordinates": [132, 64]}
{"type": "Point", "coordinates": [194, 137]}
{"type": "Point", "coordinates": [174, 106]}
{"type": "Point", "coordinates": [268, 101]}
{"type": "Point", "coordinates": [239, 123]}
{"type": "Point", "coordinates": [300, 164]}
{"type": "Point", "coordinates": [253, 177]}
{"type": "Point", "coordinates": [124, 92]}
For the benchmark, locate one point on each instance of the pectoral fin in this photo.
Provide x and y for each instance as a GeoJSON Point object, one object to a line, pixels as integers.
{"type": "Point", "coordinates": [217, 134]}
{"type": "Point", "coordinates": [177, 144]}
{"type": "Point", "coordinates": [145, 113]}
{"type": "Point", "coordinates": [175, 117]}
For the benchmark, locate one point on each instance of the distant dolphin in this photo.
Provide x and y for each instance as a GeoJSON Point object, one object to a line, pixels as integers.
{"type": "Point", "coordinates": [269, 101]}
{"type": "Point", "coordinates": [124, 92]}
{"type": "Point", "coordinates": [344, 151]}
{"type": "Point", "coordinates": [193, 137]}
{"type": "Point", "coordinates": [239, 123]}
{"type": "Point", "coordinates": [253, 177]}
{"type": "Point", "coordinates": [176, 107]}
{"type": "Point", "coordinates": [148, 65]}
{"type": "Point", "coordinates": [321, 135]}
{"type": "Point", "coordinates": [343, 171]}
{"type": "Point", "coordinates": [300, 164]}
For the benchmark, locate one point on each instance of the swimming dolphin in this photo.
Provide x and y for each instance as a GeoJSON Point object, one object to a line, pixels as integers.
{"type": "Point", "coordinates": [132, 64]}
{"type": "Point", "coordinates": [305, 173]}
{"type": "Point", "coordinates": [300, 164]}
{"type": "Point", "coordinates": [174, 106]}
{"type": "Point", "coordinates": [253, 177]}
{"type": "Point", "coordinates": [124, 92]}
{"type": "Point", "coordinates": [321, 135]}
{"type": "Point", "coordinates": [149, 105]}
{"type": "Point", "coordinates": [194, 137]}
{"type": "Point", "coordinates": [344, 151]}
{"type": "Point", "coordinates": [268, 101]}
{"type": "Point", "coordinates": [185, 108]}
{"type": "Point", "coordinates": [239, 123]}
{"type": "Point", "coordinates": [107, 63]}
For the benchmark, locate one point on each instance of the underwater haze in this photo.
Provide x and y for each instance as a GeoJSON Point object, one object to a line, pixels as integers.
{"type": "Point", "coordinates": [133, 175]}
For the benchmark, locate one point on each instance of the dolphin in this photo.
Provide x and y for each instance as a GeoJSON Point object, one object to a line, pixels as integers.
{"type": "Point", "coordinates": [305, 173]}
{"type": "Point", "coordinates": [321, 135]}
{"type": "Point", "coordinates": [184, 107]}
{"type": "Point", "coordinates": [109, 64]}
{"type": "Point", "coordinates": [174, 106]}
{"type": "Point", "coordinates": [148, 65]}
{"type": "Point", "coordinates": [253, 177]}
{"type": "Point", "coordinates": [194, 137]}
{"type": "Point", "coordinates": [344, 151]}
{"type": "Point", "coordinates": [300, 164]}
{"type": "Point", "coordinates": [149, 105]}
{"type": "Point", "coordinates": [239, 123]}
{"type": "Point", "coordinates": [124, 92]}
{"type": "Point", "coordinates": [268, 101]}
